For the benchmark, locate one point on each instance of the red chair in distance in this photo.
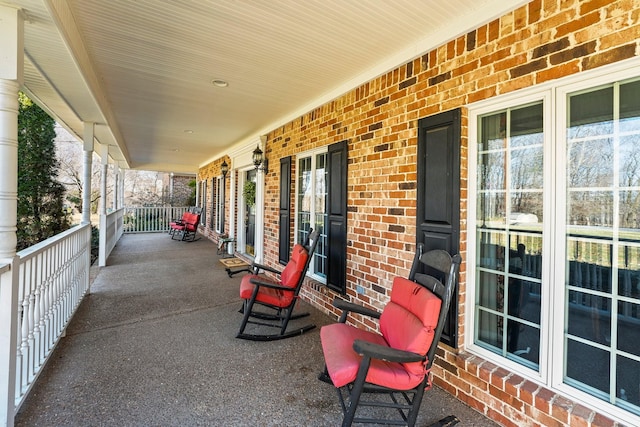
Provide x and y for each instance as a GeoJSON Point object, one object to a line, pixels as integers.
{"type": "Point", "coordinates": [396, 361]}
{"type": "Point", "coordinates": [186, 228]}
{"type": "Point", "coordinates": [279, 297]}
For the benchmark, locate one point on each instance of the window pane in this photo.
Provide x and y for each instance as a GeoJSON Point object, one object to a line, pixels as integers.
{"type": "Point", "coordinates": [589, 265]}
{"type": "Point", "coordinates": [524, 300]}
{"type": "Point", "coordinates": [629, 272]}
{"type": "Point", "coordinates": [493, 131]}
{"type": "Point", "coordinates": [630, 107]}
{"type": "Point", "coordinates": [628, 380]}
{"type": "Point", "coordinates": [492, 295]}
{"type": "Point", "coordinates": [630, 214]}
{"type": "Point", "coordinates": [591, 163]}
{"type": "Point", "coordinates": [492, 171]}
{"type": "Point", "coordinates": [490, 330]}
{"type": "Point", "coordinates": [526, 255]}
{"type": "Point", "coordinates": [588, 365]}
{"type": "Point", "coordinates": [523, 341]}
{"type": "Point", "coordinates": [591, 113]}
{"type": "Point", "coordinates": [629, 154]}
{"type": "Point", "coordinates": [526, 168]}
{"type": "Point", "coordinates": [526, 126]}
{"type": "Point", "coordinates": [593, 210]}
{"type": "Point", "coordinates": [589, 317]}
{"type": "Point", "coordinates": [628, 330]}
{"type": "Point", "coordinates": [491, 250]}
{"type": "Point", "coordinates": [526, 211]}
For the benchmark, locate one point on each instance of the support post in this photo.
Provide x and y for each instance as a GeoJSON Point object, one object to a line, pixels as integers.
{"type": "Point", "coordinates": [102, 255]}
{"type": "Point", "coordinates": [116, 187]}
{"type": "Point", "coordinates": [87, 165]}
{"type": "Point", "coordinates": [11, 77]}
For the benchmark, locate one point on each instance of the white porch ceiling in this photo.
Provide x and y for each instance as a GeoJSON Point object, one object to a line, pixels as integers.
{"type": "Point", "coordinates": [142, 69]}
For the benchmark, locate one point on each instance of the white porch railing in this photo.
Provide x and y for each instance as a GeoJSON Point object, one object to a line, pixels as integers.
{"type": "Point", "coordinates": [53, 277]}
{"type": "Point", "coordinates": [111, 229]}
{"type": "Point", "coordinates": [151, 219]}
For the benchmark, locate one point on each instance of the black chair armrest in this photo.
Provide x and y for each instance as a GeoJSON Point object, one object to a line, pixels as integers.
{"type": "Point", "coordinates": [258, 267]}
{"type": "Point", "coordinates": [269, 284]}
{"type": "Point", "coordinates": [389, 354]}
{"type": "Point", "coordinates": [347, 307]}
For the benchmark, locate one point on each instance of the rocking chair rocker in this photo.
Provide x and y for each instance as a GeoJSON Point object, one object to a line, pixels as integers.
{"type": "Point", "coordinates": [277, 295]}
{"type": "Point", "coordinates": [397, 361]}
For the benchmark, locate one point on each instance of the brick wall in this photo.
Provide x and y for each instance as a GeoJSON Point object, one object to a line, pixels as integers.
{"type": "Point", "coordinates": [209, 173]}
{"type": "Point", "coordinates": [541, 41]}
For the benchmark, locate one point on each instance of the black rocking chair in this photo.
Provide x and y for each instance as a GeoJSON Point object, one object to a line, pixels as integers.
{"type": "Point", "coordinates": [278, 296]}
{"type": "Point", "coordinates": [397, 361]}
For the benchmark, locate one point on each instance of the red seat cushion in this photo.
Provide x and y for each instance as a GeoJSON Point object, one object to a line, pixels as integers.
{"type": "Point", "coordinates": [407, 322]}
{"type": "Point", "coordinates": [289, 277]}
{"type": "Point", "coordinates": [275, 297]}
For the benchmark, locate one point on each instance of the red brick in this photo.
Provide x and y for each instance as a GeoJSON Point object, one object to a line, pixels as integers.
{"type": "Point", "coordinates": [600, 420]}
{"type": "Point", "coordinates": [527, 392]}
{"type": "Point", "coordinates": [560, 408]}
{"type": "Point", "coordinates": [580, 416]}
{"type": "Point", "coordinates": [543, 399]}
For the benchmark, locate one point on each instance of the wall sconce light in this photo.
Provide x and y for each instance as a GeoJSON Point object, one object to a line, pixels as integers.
{"type": "Point", "coordinates": [224, 167]}
{"type": "Point", "coordinates": [260, 162]}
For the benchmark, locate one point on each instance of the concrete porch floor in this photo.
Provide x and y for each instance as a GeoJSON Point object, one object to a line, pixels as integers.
{"type": "Point", "coordinates": [154, 344]}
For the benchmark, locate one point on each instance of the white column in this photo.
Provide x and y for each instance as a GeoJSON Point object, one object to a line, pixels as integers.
{"type": "Point", "coordinates": [87, 165]}
{"type": "Point", "coordinates": [171, 189]}
{"type": "Point", "coordinates": [8, 167]}
{"type": "Point", "coordinates": [11, 77]}
{"type": "Point", "coordinates": [121, 192]}
{"type": "Point", "coordinates": [104, 156]}
{"type": "Point", "coordinates": [116, 187]}
{"type": "Point", "coordinates": [102, 252]}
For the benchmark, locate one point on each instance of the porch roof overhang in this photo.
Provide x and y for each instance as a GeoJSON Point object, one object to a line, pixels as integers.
{"type": "Point", "coordinates": [143, 71]}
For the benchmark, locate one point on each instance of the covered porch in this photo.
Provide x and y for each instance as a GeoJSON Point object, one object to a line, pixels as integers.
{"type": "Point", "coordinates": [153, 343]}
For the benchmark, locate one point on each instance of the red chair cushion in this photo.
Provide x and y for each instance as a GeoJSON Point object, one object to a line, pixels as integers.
{"type": "Point", "coordinates": [342, 361]}
{"type": "Point", "coordinates": [289, 277]}
{"type": "Point", "coordinates": [408, 321]}
{"type": "Point", "coordinates": [417, 310]}
{"type": "Point", "coordinates": [270, 296]}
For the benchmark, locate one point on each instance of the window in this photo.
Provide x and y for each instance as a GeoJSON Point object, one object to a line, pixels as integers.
{"type": "Point", "coordinates": [219, 201]}
{"type": "Point", "coordinates": [311, 193]}
{"type": "Point", "coordinates": [602, 261]}
{"type": "Point", "coordinates": [509, 232]}
{"type": "Point", "coordinates": [212, 217]}
{"type": "Point", "coordinates": [555, 235]}
{"type": "Point", "coordinates": [203, 203]}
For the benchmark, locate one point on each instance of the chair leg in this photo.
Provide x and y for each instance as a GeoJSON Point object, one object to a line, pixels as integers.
{"type": "Point", "coordinates": [247, 307]}
{"type": "Point", "coordinates": [415, 404]}
{"type": "Point", "coordinates": [356, 391]}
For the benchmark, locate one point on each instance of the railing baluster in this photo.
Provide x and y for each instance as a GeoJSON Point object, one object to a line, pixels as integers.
{"type": "Point", "coordinates": [147, 219]}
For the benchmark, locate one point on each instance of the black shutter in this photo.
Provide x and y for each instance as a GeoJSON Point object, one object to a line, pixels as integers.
{"type": "Point", "coordinates": [438, 208]}
{"type": "Point", "coordinates": [336, 260]}
{"type": "Point", "coordinates": [284, 239]}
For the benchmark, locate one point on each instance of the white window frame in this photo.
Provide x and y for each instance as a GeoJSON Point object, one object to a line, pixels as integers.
{"type": "Point", "coordinates": [299, 156]}
{"type": "Point", "coordinates": [554, 96]}
{"type": "Point", "coordinates": [219, 208]}
{"type": "Point", "coordinates": [203, 203]}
